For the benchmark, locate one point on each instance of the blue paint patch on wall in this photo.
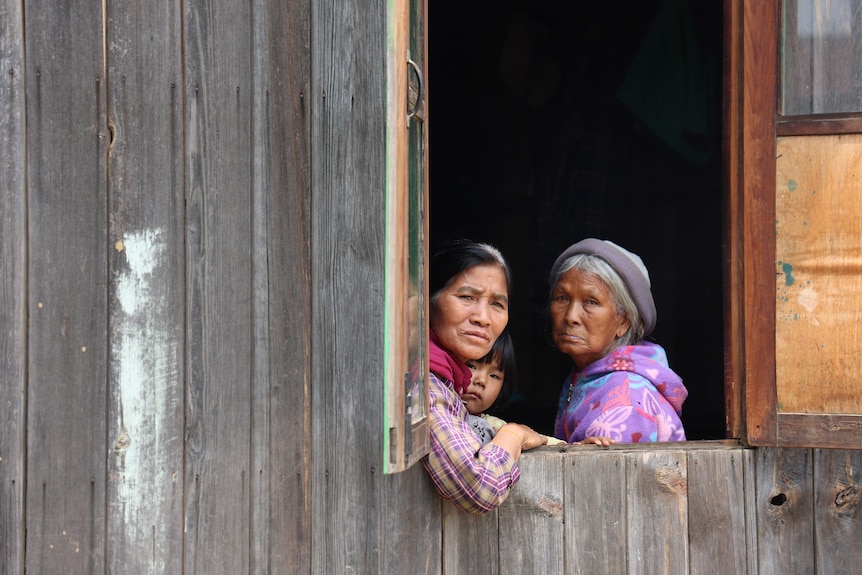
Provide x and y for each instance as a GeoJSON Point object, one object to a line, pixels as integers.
{"type": "Point", "coordinates": [788, 273]}
{"type": "Point", "coordinates": [792, 185]}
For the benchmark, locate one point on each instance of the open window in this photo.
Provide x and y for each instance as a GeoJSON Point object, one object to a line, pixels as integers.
{"type": "Point", "coordinates": [406, 436]}
{"type": "Point", "coordinates": [556, 121]}
{"type": "Point", "coordinates": [721, 140]}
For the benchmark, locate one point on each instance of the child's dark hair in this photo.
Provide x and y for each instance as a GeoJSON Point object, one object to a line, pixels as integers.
{"type": "Point", "coordinates": [504, 351]}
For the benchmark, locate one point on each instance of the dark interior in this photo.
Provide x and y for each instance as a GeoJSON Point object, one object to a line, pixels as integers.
{"type": "Point", "coordinates": [555, 121]}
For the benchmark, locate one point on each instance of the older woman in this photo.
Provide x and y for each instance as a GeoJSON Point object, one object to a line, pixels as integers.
{"type": "Point", "coordinates": [621, 386]}
{"type": "Point", "coordinates": [469, 286]}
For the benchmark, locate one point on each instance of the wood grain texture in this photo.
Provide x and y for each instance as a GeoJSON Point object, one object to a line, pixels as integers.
{"type": "Point", "coordinates": [749, 503]}
{"type": "Point", "coordinates": [656, 502]}
{"type": "Point", "coordinates": [819, 125]}
{"type": "Point", "coordinates": [471, 543]}
{"type": "Point", "coordinates": [13, 287]}
{"type": "Point", "coordinates": [734, 294]}
{"type": "Point", "coordinates": [66, 147]}
{"type": "Point", "coordinates": [596, 521]}
{"type": "Point", "coordinates": [716, 520]}
{"type": "Point", "coordinates": [837, 511]}
{"type": "Point", "coordinates": [281, 305]}
{"type": "Point", "coordinates": [418, 527]}
{"type": "Point", "coordinates": [219, 256]}
{"type": "Point", "coordinates": [147, 291]}
{"type": "Point", "coordinates": [347, 279]}
{"type": "Point", "coordinates": [825, 430]}
{"type": "Point", "coordinates": [818, 264]}
{"type": "Point", "coordinates": [760, 68]}
{"type": "Point", "coordinates": [531, 519]}
{"type": "Point", "coordinates": [784, 511]}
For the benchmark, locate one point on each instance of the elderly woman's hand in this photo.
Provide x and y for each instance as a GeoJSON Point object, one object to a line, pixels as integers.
{"type": "Point", "coordinates": [595, 441]}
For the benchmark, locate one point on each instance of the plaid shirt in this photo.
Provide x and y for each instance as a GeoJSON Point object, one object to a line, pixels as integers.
{"type": "Point", "coordinates": [474, 477]}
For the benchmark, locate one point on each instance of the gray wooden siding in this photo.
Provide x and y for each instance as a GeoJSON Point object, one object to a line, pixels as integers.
{"type": "Point", "coordinates": [155, 177]}
{"type": "Point", "coordinates": [13, 287]}
{"type": "Point", "coordinates": [694, 508]}
{"type": "Point", "coordinates": [191, 297]}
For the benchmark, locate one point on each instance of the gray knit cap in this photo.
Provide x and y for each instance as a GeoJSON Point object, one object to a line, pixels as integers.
{"type": "Point", "coordinates": [629, 266]}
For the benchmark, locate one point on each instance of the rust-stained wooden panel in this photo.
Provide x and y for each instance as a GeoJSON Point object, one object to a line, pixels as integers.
{"type": "Point", "coordinates": [656, 500]}
{"type": "Point", "coordinates": [784, 511]}
{"type": "Point", "coordinates": [838, 511]}
{"type": "Point", "coordinates": [13, 287]}
{"type": "Point", "coordinates": [531, 520]}
{"type": "Point", "coordinates": [147, 291]}
{"type": "Point", "coordinates": [818, 266]}
{"type": "Point", "coordinates": [220, 296]}
{"type": "Point", "coordinates": [595, 484]}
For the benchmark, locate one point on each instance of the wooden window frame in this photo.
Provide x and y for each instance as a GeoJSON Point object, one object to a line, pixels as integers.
{"type": "Point", "coordinates": [754, 123]}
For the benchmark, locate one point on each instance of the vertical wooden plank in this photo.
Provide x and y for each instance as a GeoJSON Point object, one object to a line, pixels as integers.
{"type": "Point", "coordinates": [656, 500]}
{"type": "Point", "coordinates": [219, 257]}
{"type": "Point", "coordinates": [281, 418]}
{"type": "Point", "coordinates": [13, 286]}
{"type": "Point", "coordinates": [417, 525]}
{"type": "Point", "coordinates": [716, 515]}
{"type": "Point", "coordinates": [749, 502]}
{"type": "Point", "coordinates": [531, 519]}
{"type": "Point", "coordinates": [837, 511]}
{"type": "Point", "coordinates": [734, 296]}
{"type": "Point", "coordinates": [760, 69]}
{"type": "Point", "coordinates": [146, 300]}
{"type": "Point", "coordinates": [785, 529]}
{"type": "Point", "coordinates": [67, 142]}
{"type": "Point", "coordinates": [348, 241]}
{"type": "Point", "coordinates": [595, 503]}
{"type": "Point", "coordinates": [471, 543]}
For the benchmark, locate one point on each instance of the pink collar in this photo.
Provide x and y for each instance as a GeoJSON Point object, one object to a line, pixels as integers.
{"type": "Point", "coordinates": [444, 365]}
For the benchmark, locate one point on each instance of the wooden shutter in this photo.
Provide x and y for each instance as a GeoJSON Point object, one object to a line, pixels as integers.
{"type": "Point", "coordinates": [406, 426]}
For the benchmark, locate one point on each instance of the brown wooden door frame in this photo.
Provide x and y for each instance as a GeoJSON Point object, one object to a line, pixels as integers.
{"type": "Point", "coordinates": [751, 164]}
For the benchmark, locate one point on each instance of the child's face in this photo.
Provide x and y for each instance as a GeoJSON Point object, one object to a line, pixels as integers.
{"type": "Point", "coordinates": [484, 386]}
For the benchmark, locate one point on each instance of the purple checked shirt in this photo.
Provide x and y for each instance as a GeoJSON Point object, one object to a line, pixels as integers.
{"type": "Point", "coordinates": [474, 477]}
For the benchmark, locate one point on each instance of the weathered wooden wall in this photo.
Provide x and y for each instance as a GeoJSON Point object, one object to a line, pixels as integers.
{"type": "Point", "coordinates": [192, 242]}
{"type": "Point", "coordinates": [695, 508]}
{"type": "Point", "coordinates": [156, 214]}
{"type": "Point", "coordinates": [13, 286]}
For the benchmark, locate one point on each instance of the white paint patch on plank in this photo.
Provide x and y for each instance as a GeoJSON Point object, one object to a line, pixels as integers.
{"type": "Point", "coordinates": [148, 387]}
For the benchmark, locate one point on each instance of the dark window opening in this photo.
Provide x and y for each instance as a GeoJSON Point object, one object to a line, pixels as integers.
{"type": "Point", "coordinates": [555, 121]}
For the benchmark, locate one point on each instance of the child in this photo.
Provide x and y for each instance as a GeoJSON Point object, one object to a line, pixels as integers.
{"type": "Point", "coordinates": [491, 385]}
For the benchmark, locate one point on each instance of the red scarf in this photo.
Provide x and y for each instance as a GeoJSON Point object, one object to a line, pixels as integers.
{"type": "Point", "coordinates": [444, 365]}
